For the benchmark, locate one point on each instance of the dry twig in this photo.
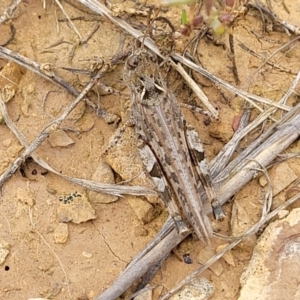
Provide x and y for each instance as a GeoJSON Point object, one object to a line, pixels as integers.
{"type": "Point", "coordinates": [261, 154]}
{"type": "Point", "coordinates": [114, 189]}
{"type": "Point", "coordinates": [283, 136]}
{"type": "Point", "coordinates": [8, 13]}
{"type": "Point", "coordinates": [46, 71]}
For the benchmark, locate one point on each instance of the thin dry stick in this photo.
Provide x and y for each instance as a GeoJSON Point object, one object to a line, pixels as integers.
{"type": "Point", "coordinates": [162, 244]}
{"type": "Point", "coordinates": [51, 127]}
{"type": "Point", "coordinates": [225, 154]}
{"type": "Point", "coordinates": [264, 154]}
{"type": "Point", "coordinates": [249, 232]}
{"type": "Point", "coordinates": [270, 63]}
{"type": "Point", "coordinates": [268, 151]}
{"type": "Point", "coordinates": [196, 89]}
{"type": "Point", "coordinates": [288, 26]}
{"type": "Point", "coordinates": [218, 164]}
{"type": "Point", "coordinates": [114, 189]}
{"type": "Point", "coordinates": [8, 13]}
{"type": "Point", "coordinates": [286, 45]}
{"type": "Point", "coordinates": [70, 21]}
{"type": "Point", "coordinates": [237, 163]}
{"type": "Point", "coordinates": [51, 76]}
{"type": "Point", "coordinates": [104, 11]}
{"type": "Point", "coordinates": [244, 95]}
{"type": "Point", "coordinates": [101, 9]}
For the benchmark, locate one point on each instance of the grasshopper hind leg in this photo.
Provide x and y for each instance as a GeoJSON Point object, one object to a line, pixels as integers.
{"type": "Point", "coordinates": [202, 168]}
{"type": "Point", "coordinates": [173, 209]}
{"type": "Point", "coordinates": [155, 172]}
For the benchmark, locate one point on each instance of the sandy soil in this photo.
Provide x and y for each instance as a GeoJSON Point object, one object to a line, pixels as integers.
{"type": "Point", "coordinates": [78, 261]}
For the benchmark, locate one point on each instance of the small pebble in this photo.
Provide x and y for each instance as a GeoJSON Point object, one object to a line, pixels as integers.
{"type": "Point", "coordinates": [61, 233]}
{"type": "Point", "coordinates": [60, 139]}
{"type": "Point", "coordinates": [87, 254]}
{"type": "Point", "coordinates": [140, 231]}
{"type": "Point", "coordinates": [262, 181]}
{"type": "Point", "coordinates": [204, 255]}
{"type": "Point", "coordinates": [26, 196]}
{"type": "Point", "coordinates": [283, 213]}
{"type": "Point", "coordinates": [228, 257]}
{"type": "Point", "coordinates": [6, 143]}
{"type": "Point", "coordinates": [4, 251]}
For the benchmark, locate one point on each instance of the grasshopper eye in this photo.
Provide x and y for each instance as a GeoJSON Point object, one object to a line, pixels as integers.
{"type": "Point", "coordinates": [132, 62]}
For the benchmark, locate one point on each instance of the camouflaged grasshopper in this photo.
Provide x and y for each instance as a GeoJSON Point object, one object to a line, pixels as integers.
{"type": "Point", "coordinates": [171, 150]}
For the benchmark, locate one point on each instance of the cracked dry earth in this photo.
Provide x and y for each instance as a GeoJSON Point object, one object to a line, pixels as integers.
{"type": "Point", "coordinates": [60, 241]}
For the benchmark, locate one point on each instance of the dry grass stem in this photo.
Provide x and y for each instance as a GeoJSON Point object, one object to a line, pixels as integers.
{"type": "Point", "coordinates": [46, 71]}
{"type": "Point", "coordinates": [264, 220]}
{"type": "Point", "coordinates": [113, 189]}
{"type": "Point", "coordinates": [272, 133]}
{"type": "Point", "coordinates": [286, 25]}
{"type": "Point", "coordinates": [219, 162]}
{"type": "Point", "coordinates": [155, 251]}
{"type": "Point", "coordinates": [228, 179]}
{"type": "Point", "coordinates": [228, 176]}
{"type": "Point", "coordinates": [8, 13]}
{"type": "Point", "coordinates": [278, 50]}
{"type": "Point", "coordinates": [252, 99]}
{"type": "Point", "coordinates": [196, 89]}
{"type": "Point", "coordinates": [70, 21]}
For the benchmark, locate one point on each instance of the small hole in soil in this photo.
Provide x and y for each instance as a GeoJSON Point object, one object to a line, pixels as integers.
{"type": "Point", "coordinates": [39, 17]}
{"type": "Point", "coordinates": [6, 268]}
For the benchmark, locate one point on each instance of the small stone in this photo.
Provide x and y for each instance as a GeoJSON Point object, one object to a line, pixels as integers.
{"type": "Point", "coordinates": [10, 77]}
{"type": "Point", "coordinates": [197, 289]}
{"type": "Point", "coordinates": [278, 200]}
{"type": "Point", "coordinates": [143, 209]}
{"type": "Point", "coordinates": [125, 160]}
{"type": "Point", "coordinates": [283, 213]}
{"type": "Point", "coordinates": [146, 295]}
{"type": "Point", "coordinates": [204, 255]}
{"type": "Point", "coordinates": [240, 222]}
{"type": "Point", "coordinates": [6, 143]}
{"type": "Point", "coordinates": [262, 180]}
{"type": "Point", "coordinates": [272, 272]}
{"type": "Point", "coordinates": [30, 88]}
{"type": "Point", "coordinates": [60, 139]}
{"type": "Point", "coordinates": [103, 174]}
{"type": "Point", "coordinates": [75, 208]}
{"type": "Point", "coordinates": [242, 255]}
{"type": "Point", "coordinates": [25, 109]}
{"type": "Point", "coordinates": [61, 233]}
{"type": "Point", "coordinates": [49, 229]}
{"type": "Point", "coordinates": [51, 190]}
{"type": "Point", "coordinates": [91, 294]}
{"type": "Point", "coordinates": [25, 196]}
{"type": "Point", "coordinates": [281, 176]}
{"type": "Point", "coordinates": [87, 254]}
{"type": "Point", "coordinates": [140, 231]}
{"type": "Point", "coordinates": [228, 257]}
{"type": "Point", "coordinates": [4, 251]}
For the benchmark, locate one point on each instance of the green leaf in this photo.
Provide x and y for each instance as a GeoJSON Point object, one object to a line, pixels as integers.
{"type": "Point", "coordinates": [184, 17]}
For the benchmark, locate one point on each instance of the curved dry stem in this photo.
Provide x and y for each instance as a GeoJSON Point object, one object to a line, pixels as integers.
{"type": "Point", "coordinates": [113, 189]}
